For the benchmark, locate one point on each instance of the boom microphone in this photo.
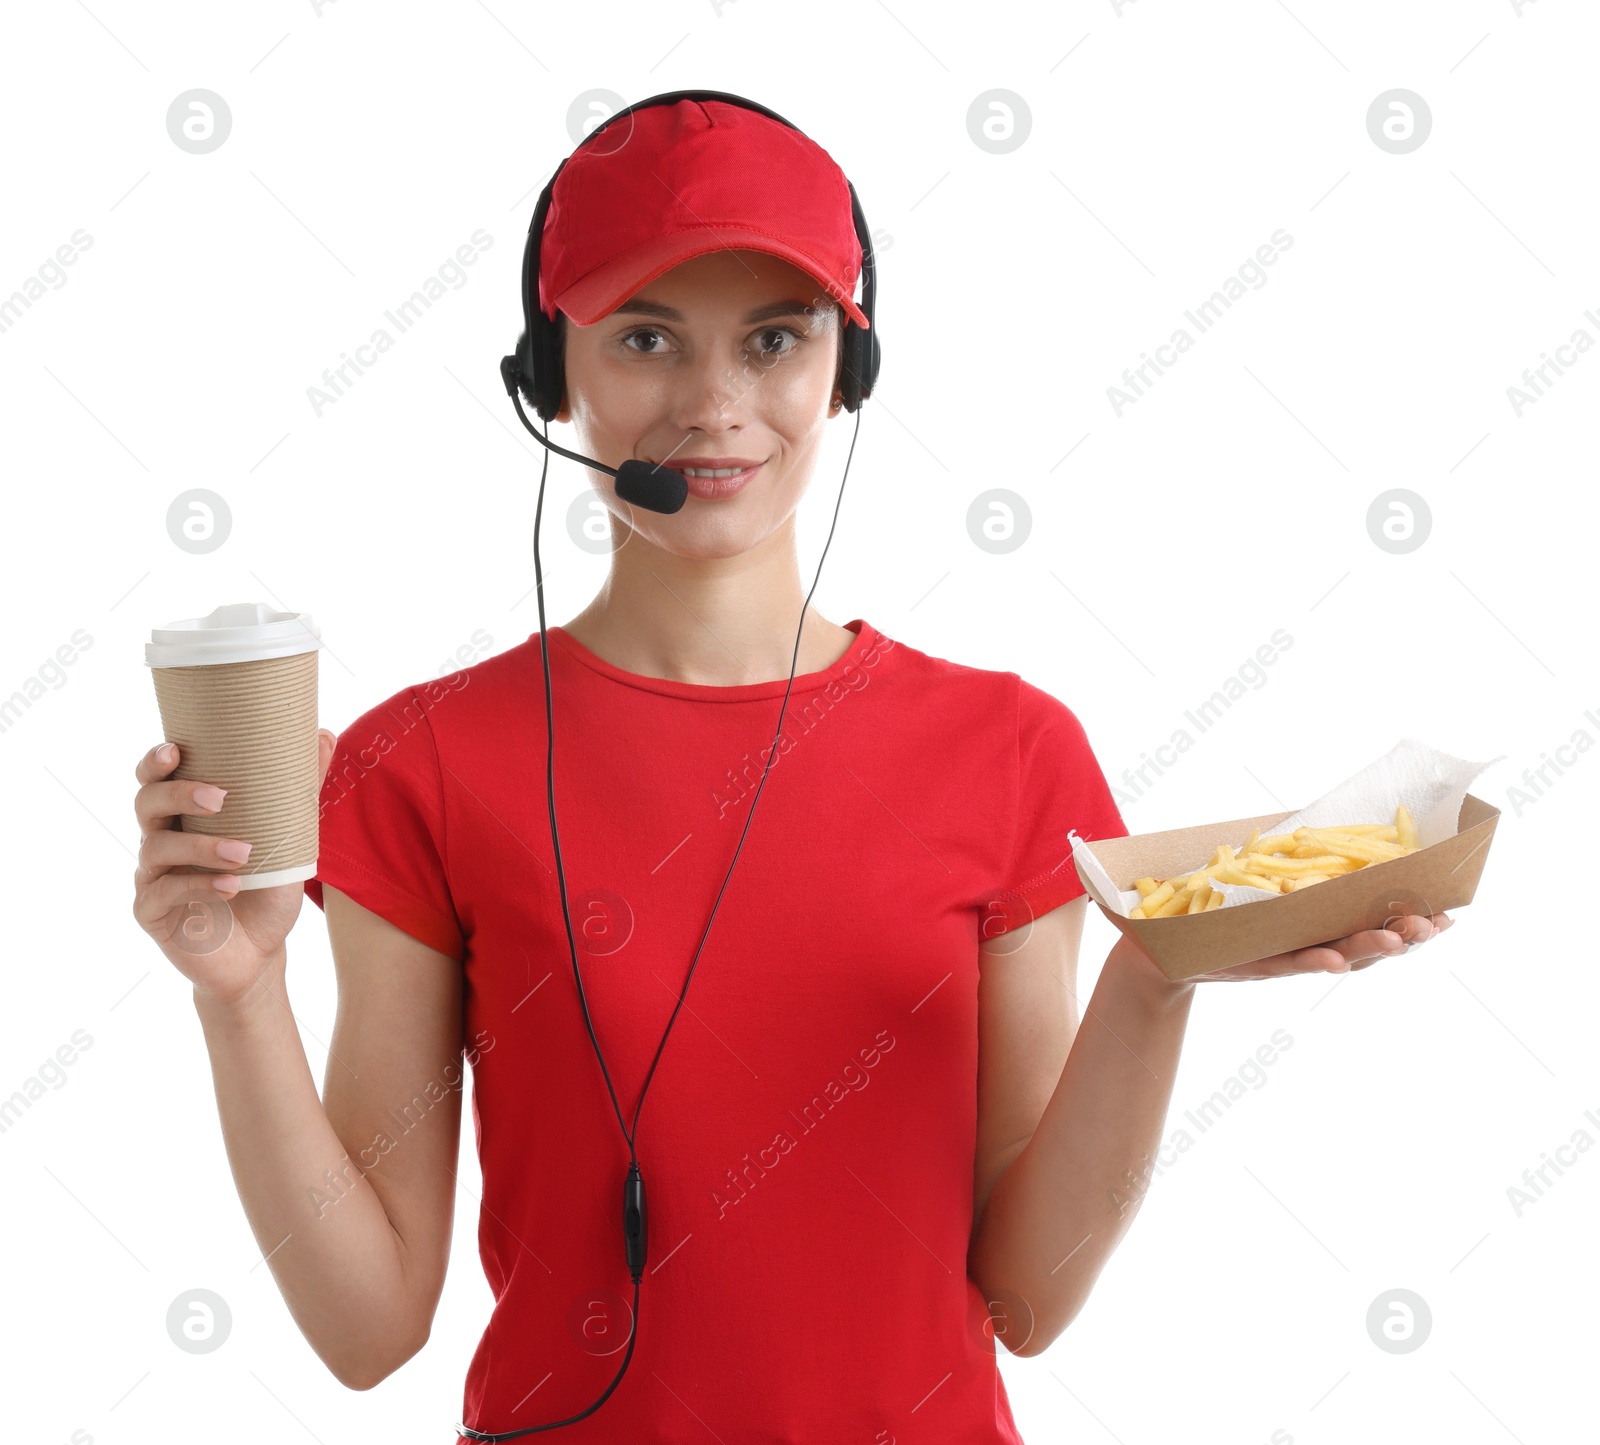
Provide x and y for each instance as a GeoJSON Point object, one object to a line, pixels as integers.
{"type": "Point", "coordinates": [645, 484]}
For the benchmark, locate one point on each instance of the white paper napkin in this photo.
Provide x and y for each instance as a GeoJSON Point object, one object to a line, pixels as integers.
{"type": "Point", "coordinates": [1430, 783]}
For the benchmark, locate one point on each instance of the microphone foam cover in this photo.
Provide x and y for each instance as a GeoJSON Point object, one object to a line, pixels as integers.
{"type": "Point", "coordinates": [655, 488]}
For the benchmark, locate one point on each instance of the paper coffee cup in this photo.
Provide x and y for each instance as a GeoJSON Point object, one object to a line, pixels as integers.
{"type": "Point", "coordinates": [238, 695]}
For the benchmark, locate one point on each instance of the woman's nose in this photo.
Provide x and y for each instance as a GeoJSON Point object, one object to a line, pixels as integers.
{"type": "Point", "coordinates": [709, 395]}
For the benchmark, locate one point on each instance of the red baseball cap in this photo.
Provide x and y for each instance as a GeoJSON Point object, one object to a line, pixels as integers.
{"type": "Point", "coordinates": [670, 182]}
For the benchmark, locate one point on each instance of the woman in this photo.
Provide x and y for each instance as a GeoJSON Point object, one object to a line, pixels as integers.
{"type": "Point", "coordinates": [870, 1150]}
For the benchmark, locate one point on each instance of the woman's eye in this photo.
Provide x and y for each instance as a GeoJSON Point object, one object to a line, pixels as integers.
{"type": "Point", "coordinates": [635, 335]}
{"type": "Point", "coordinates": [766, 338]}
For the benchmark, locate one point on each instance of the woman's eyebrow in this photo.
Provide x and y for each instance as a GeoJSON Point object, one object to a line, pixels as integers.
{"type": "Point", "coordinates": [669, 313]}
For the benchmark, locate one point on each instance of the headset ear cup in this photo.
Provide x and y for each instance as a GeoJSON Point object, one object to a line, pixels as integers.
{"type": "Point", "coordinates": [547, 368]}
{"type": "Point", "coordinates": [523, 374]}
{"type": "Point", "coordinates": [852, 384]}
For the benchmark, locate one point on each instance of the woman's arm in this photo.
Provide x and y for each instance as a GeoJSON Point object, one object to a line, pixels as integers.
{"type": "Point", "coordinates": [1053, 1216]}
{"type": "Point", "coordinates": [351, 1196]}
{"type": "Point", "coordinates": [1063, 1199]}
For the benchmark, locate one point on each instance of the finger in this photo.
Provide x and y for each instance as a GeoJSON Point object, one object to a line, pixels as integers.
{"type": "Point", "coordinates": [1362, 950]}
{"type": "Point", "coordinates": [326, 743]}
{"type": "Point", "coordinates": [1325, 959]}
{"type": "Point", "coordinates": [1428, 928]}
{"type": "Point", "coordinates": [1343, 955]}
{"type": "Point", "coordinates": [156, 805]}
{"type": "Point", "coordinates": [1413, 928]}
{"type": "Point", "coordinates": [157, 763]}
{"type": "Point", "coordinates": [156, 897]}
{"type": "Point", "coordinates": [1416, 929]}
{"type": "Point", "coordinates": [166, 848]}
{"type": "Point", "coordinates": [1373, 943]}
{"type": "Point", "coordinates": [1321, 959]}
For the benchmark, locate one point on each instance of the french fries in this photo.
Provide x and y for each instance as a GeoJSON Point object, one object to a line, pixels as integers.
{"type": "Point", "coordinates": [1279, 863]}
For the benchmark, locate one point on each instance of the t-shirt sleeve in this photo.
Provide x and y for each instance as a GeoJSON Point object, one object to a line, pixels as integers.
{"type": "Point", "coordinates": [381, 823]}
{"type": "Point", "coordinates": [1059, 788]}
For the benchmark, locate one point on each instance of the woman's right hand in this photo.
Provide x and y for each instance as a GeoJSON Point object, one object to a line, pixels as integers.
{"type": "Point", "coordinates": [220, 937]}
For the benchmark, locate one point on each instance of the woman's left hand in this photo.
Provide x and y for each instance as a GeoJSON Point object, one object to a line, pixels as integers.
{"type": "Point", "coordinates": [1341, 955]}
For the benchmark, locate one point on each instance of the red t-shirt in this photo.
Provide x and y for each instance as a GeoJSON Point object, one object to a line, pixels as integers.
{"type": "Point", "coordinates": [808, 1139]}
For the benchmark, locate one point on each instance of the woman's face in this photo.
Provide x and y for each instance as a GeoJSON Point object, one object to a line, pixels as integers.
{"type": "Point", "coordinates": [727, 360]}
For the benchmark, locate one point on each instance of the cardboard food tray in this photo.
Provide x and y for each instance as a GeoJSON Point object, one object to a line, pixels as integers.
{"type": "Point", "coordinates": [1434, 879]}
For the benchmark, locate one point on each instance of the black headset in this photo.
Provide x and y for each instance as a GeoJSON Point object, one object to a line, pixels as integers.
{"type": "Point", "coordinates": [535, 371]}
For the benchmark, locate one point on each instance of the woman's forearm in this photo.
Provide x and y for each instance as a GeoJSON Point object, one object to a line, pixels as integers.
{"type": "Point", "coordinates": [340, 1265]}
{"type": "Point", "coordinates": [1063, 1204]}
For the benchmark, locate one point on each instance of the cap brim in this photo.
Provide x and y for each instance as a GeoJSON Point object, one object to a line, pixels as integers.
{"type": "Point", "coordinates": [595, 296]}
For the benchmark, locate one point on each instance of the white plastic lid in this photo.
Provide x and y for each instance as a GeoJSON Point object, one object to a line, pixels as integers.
{"type": "Point", "coordinates": [238, 632]}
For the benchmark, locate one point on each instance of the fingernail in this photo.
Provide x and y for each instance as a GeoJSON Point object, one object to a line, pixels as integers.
{"type": "Point", "coordinates": [209, 797]}
{"type": "Point", "coordinates": [166, 752]}
{"type": "Point", "coordinates": [234, 852]}
{"type": "Point", "coordinates": [226, 883]}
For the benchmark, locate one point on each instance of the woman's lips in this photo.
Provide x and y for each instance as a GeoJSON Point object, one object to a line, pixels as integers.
{"type": "Point", "coordinates": [715, 489]}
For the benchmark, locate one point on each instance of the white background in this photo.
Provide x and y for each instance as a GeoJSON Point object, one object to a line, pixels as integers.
{"type": "Point", "coordinates": [1167, 142]}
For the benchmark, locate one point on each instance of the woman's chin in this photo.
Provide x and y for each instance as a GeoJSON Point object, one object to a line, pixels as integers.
{"type": "Point", "coordinates": [709, 549]}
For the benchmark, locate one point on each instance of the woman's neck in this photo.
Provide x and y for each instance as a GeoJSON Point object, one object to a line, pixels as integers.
{"type": "Point", "coordinates": [712, 622]}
